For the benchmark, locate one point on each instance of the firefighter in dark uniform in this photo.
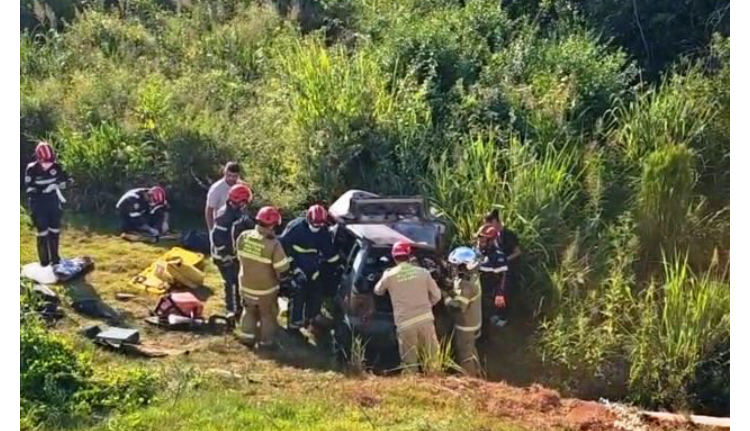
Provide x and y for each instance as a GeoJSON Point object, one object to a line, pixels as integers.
{"type": "Point", "coordinates": [44, 179]}
{"type": "Point", "coordinates": [465, 302]}
{"type": "Point", "coordinates": [230, 221]}
{"type": "Point", "coordinates": [144, 211]}
{"type": "Point", "coordinates": [493, 276]}
{"type": "Point", "coordinates": [308, 242]}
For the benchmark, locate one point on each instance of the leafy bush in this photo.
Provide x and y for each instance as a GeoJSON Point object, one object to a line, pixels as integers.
{"type": "Point", "coordinates": [342, 123]}
{"type": "Point", "coordinates": [59, 383]}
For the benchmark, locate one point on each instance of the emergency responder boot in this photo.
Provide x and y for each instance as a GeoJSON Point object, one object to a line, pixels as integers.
{"type": "Point", "coordinates": [53, 241]}
{"type": "Point", "coordinates": [42, 249]}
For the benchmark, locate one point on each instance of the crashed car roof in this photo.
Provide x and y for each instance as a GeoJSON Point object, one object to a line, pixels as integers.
{"type": "Point", "coordinates": [342, 207]}
{"type": "Point", "coordinates": [379, 234]}
{"type": "Point", "coordinates": [357, 206]}
{"type": "Point", "coordinates": [386, 220]}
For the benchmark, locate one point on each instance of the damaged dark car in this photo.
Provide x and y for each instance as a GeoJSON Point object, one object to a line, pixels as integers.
{"type": "Point", "coordinates": [366, 227]}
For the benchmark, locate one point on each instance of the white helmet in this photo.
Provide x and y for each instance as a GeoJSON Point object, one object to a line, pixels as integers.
{"type": "Point", "coordinates": [464, 256]}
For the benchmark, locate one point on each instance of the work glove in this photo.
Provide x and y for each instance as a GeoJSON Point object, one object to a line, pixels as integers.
{"type": "Point", "coordinates": [299, 278]}
{"type": "Point", "coordinates": [288, 289]}
{"type": "Point", "coordinates": [500, 301]}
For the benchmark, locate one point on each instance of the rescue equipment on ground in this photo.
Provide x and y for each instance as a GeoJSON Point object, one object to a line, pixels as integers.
{"type": "Point", "coordinates": [189, 270]}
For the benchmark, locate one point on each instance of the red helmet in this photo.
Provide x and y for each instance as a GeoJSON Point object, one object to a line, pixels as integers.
{"type": "Point", "coordinates": [317, 215]}
{"type": "Point", "coordinates": [240, 194]}
{"type": "Point", "coordinates": [401, 249]}
{"type": "Point", "coordinates": [158, 195]}
{"type": "Point", "coordinates": [268, 216]}
{"type": "Point", "coordinates": [488, 231]}
{"type": "Point", "coordinates": [44, 152]}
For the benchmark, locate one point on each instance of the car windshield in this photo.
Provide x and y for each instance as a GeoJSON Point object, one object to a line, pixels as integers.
{"type": "Point", "coordinates": [421, 233]}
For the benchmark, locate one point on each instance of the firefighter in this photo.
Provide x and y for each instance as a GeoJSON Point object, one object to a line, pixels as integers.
{"type": "Point", "coordinates": [308, 242]}
{"type": "Point", "coordinates": [413, 293]}
{"type": "Point", "coordinates": [264, 269]}
{"type": "Point", "coordinates": [230, 222]}
{"type": "Point", "coordinates": [144, 211]}
{"type": "Point", "coordinates": [44, 178]}
{"type": "Point", "coordinates": [465, 302]}
{"type": "Point", "coordinates": [493, 276]}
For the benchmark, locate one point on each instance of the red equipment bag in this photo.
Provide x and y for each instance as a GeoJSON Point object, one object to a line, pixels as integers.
{"type": "Point", "coordinates": [183, 304]}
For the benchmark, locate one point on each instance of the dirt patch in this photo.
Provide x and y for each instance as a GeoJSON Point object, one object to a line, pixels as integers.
{"type": "Point", "coordinates": [589, 416]}
{"type": "Point", "coordinates": [543, 399]}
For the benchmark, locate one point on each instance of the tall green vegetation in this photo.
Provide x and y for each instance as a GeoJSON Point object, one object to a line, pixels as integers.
{"type": "Point", "coordinates": [609, 157]}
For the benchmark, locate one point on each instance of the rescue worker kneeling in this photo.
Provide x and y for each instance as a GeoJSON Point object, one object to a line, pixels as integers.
{"type": "Point", "coordinates": [309, 244]}
{"type": "Point", "coordinates": [465, 302]}
{"type": "Point", "coordinates": [264, 267]}
{"type": "Point", "coordinates": [144, 211]}
{"type": "Point", "coordinates": [229, 223]}
{"type": "Point", "coordinates": [413, 293]}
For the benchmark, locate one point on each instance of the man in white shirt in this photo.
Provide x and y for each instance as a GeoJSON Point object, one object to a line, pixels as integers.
{"type": "Point", "coordinates": [219, 192]}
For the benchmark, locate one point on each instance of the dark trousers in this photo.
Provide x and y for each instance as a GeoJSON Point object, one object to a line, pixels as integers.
{"type": "Point", "coordinates": [140, 224]}
{"type": "Point", "coordinates": [46, 214]}
{"type": "Point", "coordinates": [488, 300]}
{"type": "Point", "coordinates": [305, 305]}
{"type": "Point", "coordinates": [229, 272]}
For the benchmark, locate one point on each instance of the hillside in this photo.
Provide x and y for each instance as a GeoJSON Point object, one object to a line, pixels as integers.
{"type": "Point", "coordinates": [599, 131]}
{"type": "Point", "coordinates": [213, 382]}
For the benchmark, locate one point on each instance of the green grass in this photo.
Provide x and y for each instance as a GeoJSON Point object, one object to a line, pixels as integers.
{"type": "Point", "coordinates": [222, 385]}
{"type": "Point", "coordinates": [220, 409]}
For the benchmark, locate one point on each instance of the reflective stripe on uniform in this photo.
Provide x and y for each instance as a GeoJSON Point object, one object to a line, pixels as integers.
{"type": "Point", "coordinates": [495, 270]}
{"type": "Point", "coordinates": [45, 182]}
{"type": "Point", "coordinates": [30, 189]}
{"type": "Point", "coordinates": [53, 230]}
{"type": "Point", "coordinates": [222, 228]}
{"type": "Point", "coordinates": [135, 214]}
{"type": "Point", "coordinates": [416, 319]}
{"type": "Point", "coordinates": [315, 275]}
{"type": "Point", "coordinates": [299, 249]}
{"type": "Point", "coordinates": [254, 257]}
{"type": "Point", "coordinates": [259, 292]}
{"type": "Point", "coordinates": [222, 258]}
{"type": "Point", "coordinates": [333, 259]}
{"type": "Point", "coordinates": [245, 336]}
{"type": "Point", "coordinates": [42, 233]}
{"type": "Point", "coordinates": [461, 299]}
{"type": "Point", "coordinates": [282, 262]}
{"type": "Point", "coordinates": [468, 328]}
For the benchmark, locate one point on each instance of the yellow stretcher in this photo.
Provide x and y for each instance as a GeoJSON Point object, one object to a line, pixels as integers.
{"type": "Point", "coordinates": [177, 266]}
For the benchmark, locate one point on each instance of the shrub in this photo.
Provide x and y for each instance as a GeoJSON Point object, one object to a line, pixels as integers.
{"type": "Point", "coordinates": [545, 87]}
{"type": "Point", "coordinates": [665, 197]}
{"type": "Point", "coordinates": [681, 320]}
{"type": "Point", "coordinates": [342, 124]}
{"type": "Point", "coordinates": [59, 383]}
{"type": "Point", "coordinates": [105, 161]}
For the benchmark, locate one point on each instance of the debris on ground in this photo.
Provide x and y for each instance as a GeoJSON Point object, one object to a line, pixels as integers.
{"type": "Point", "coordinates": [122, 296]}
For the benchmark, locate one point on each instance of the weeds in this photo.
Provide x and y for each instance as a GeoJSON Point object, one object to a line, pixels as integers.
{"type": "Point", "coordinates": [439, 360]}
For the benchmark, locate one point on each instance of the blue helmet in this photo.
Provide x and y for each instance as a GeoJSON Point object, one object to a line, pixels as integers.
{"type": "Point", "coordinates": [464, 256]}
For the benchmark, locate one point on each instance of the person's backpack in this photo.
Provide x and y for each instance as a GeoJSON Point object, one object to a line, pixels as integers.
{"type": "Point", "coordinates": [196, 241]}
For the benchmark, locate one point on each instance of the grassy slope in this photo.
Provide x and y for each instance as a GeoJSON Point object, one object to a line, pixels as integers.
{"type": "Point", "coordinates": [222, 385]}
